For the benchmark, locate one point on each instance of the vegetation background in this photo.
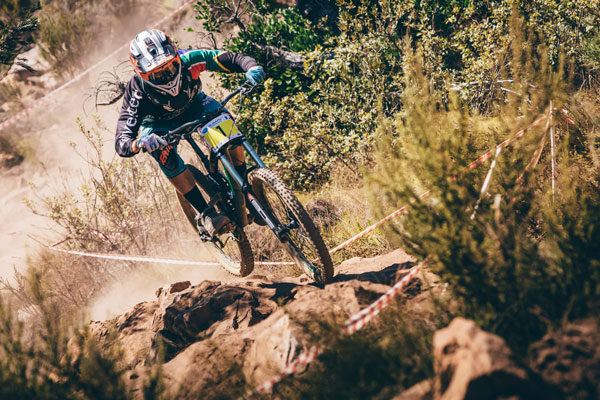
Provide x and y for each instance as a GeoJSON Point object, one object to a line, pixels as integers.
{"type": "Point", "coordinates": [389, 99]}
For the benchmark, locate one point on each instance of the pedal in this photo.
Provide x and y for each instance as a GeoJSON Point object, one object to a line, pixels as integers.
{"type": "Point", "coordinates": [226, 229]}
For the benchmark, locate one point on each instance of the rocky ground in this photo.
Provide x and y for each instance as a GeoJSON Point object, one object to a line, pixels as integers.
{"type": "Point", "coordinates": [216, 334]}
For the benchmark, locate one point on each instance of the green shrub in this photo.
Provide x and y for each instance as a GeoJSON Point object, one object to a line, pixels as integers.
{"type": "Point", "coordinates": [305, 135]}
{"type": "Point", "coordinates": [377, 362]}
{"type": "Point", "coordinates": [522, 262]}
{"type": "Point", "coordinates": [329, 114]}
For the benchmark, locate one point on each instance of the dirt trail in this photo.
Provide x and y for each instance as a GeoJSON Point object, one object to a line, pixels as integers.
{"type": "Point", "coordinates": [49, 132]}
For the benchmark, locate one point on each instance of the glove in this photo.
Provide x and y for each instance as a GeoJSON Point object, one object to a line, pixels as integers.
{"type": "Point", "coordinates": [151, 142]}
{"type": "Point", "coordinates": [255, 75]}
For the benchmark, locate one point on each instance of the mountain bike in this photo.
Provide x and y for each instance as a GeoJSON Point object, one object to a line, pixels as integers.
{"type": "Point", "coordinates": [261, 192]}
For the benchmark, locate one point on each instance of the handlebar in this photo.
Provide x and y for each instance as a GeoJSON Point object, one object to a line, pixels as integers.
{"type": "Point", "coordinates": [175, 134]}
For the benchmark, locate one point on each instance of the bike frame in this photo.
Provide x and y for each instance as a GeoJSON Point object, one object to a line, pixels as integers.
{"type": "Point", "coordinates": [220, 153]}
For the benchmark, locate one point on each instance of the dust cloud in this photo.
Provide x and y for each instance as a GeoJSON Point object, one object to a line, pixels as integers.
{"type": "Point", "coordinates": [141, 285]}
{"type": "Point", "coordinates": [50, 133]}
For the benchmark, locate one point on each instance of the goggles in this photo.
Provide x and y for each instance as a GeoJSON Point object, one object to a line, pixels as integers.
{"type": "Point", "coordinates": [165, 73]}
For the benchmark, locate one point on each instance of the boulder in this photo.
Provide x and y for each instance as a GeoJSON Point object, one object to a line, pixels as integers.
{"type": "Point", "coordinates": [570, 359]}
{"type": "Point", "coordinates": [133, 330]}
{"type": "Point", "coordinates": [210, 309]}
{"type": "Point", "coordinates": [220, 337]}
{"type": "Point", "coordinates": [474, 364]}
{"type": "Point", "coordinates": [29, 64]}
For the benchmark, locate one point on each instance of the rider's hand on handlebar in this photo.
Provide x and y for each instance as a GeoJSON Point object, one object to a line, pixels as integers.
{"type": "Point", "coordinates": [151, 142]}
{"type": "Point", "coordinates": [255, 75]}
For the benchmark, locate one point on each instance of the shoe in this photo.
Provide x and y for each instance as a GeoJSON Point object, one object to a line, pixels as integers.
{"type": "Point", "coordinates": [213, 222]}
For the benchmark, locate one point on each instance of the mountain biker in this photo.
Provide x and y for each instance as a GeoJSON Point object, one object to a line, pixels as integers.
{"type": "Point", "coordinates": [166, 92]}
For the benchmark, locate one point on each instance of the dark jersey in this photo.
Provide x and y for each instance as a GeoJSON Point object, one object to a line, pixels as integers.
{"type": "Point", "coordinates": [141, 101]}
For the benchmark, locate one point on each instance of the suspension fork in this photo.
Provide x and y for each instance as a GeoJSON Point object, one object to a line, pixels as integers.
{"type": "Point", "coordinates": [278, 229]}
{"type": "Point", "coordinates": [252, 153]}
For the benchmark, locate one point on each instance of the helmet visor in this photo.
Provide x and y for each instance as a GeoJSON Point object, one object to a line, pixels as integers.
{"type": "Point", "coordinates": [165, 73]}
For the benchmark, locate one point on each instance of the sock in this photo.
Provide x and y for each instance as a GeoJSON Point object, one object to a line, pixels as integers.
{"type": "Point", "coordinates": [241, 169]}
{"type": "Point", "coordinates": [195, 199]}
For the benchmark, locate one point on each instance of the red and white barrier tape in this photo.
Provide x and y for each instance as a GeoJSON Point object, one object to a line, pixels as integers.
{"type": "Point", "coordinates": [300, 363]}
{"type": "Point", "coordinates": [360, 319]}
{"type": "Point", "coordinates": [6, 123]}
{"type": "Point", "coordinates": [133, 258]}
{"type": "Point", "coordinates": [375, 225]}
{"type": "Point", "coordinates": [483, 158]}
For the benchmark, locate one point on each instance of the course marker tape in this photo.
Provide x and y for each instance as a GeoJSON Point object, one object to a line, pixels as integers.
{"type": "Point", "coordinates": [483, 158]}
{"type": "Point", "coordinates": [6, 123]}
{"type": "Point", "coordinates": [300, 362]}
{"type": "Point", "coordinates": [360, 319]}
{"type": "Point", "coordinates": [133, 258]}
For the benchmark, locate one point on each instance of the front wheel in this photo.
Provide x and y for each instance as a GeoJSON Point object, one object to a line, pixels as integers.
{"type": "Point", "coordinates": [232, 250]}
{"type": "Point", "coordinates": [304, 242]}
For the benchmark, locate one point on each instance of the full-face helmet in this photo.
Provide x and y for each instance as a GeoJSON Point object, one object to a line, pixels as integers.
{"type": "Point", "coordinates": [156, 61]}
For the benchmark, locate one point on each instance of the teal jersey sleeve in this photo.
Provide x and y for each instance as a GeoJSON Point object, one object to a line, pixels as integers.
{"type": "Point", "coordinates": [203, 60]}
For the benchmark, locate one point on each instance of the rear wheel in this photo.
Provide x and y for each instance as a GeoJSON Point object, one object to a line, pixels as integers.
{"type": "Point", "coordinates": [303, 235]}
{"type": "Point", "coordinates": [232, 250]}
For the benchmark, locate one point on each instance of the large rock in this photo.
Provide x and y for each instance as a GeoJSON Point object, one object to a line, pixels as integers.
{"type": "Point", "coordinates": [474, 364]}
{"type": "Point", "coordinates": [217, 337]}
{"type": "Point", "coordinates": [570, 359]}
{"type": "Point", "coordinates": [211, 309]}
{"type": "Point", "coordinates": [29, 64]}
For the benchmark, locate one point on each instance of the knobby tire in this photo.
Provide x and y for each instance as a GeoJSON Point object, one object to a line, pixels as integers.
{"type": "Point", "coordinates": [262, 181]}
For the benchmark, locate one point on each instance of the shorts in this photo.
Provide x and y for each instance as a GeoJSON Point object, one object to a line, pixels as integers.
{"type": "Point", "coordinates": [168, 159]}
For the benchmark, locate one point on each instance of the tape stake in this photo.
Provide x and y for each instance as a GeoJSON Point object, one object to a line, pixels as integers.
{"type": "Point", "coordinates": [551, 133]}
{"type": "Point", "coordinates": [486, 182]}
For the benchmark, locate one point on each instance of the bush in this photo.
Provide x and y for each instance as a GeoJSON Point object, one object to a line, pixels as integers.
{"type": "Point", "coordinates": [40, 362]}
{"type": "Point", "coordinates": [354, 74]}
{"type": "Point", "coordinates": [378, 362]}
{"type": "Point", "coordinates": [525, 259]}
{"type": "Point", "coordinates": [125, 207]}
